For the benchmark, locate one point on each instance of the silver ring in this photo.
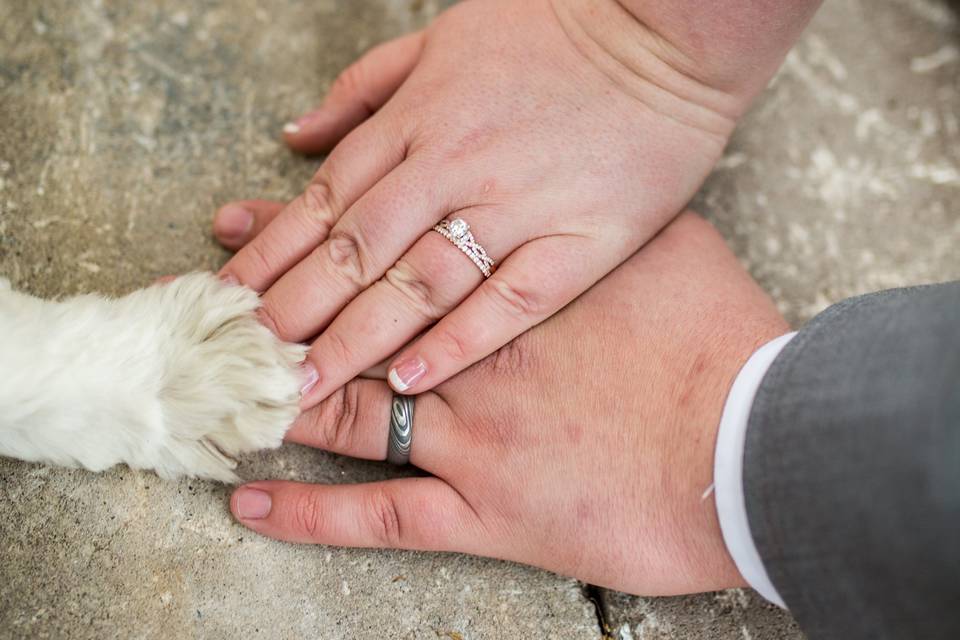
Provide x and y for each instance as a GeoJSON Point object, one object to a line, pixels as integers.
{"type": "Point", "coordinates": [458, 232]}
{"type": "Point", "coordinates": [401, 430]}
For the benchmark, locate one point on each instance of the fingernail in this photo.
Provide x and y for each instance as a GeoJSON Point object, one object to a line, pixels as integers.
{"type": "Point", "coordinates": [406, 373]}
{"type": "Point", "coordinates": [165, 279]}
{"type": "Point", "coordinates": [304, 121]}
{"type": "Point", "coordinates": [233, 222]}
{"type": "Point", "coordinates": [311, 378]}
{"type": "Point", "coordinates": [230, 279]}
{"type": "Point", "coordinates": [253, 504]}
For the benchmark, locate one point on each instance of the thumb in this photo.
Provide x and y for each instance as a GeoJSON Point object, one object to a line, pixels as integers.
{"type": "Point", "coordinates": [356, 94]}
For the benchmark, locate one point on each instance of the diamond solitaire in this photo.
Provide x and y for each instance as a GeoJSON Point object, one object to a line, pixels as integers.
{"type": "Point", "coordinates": [458, 232]}
{"type": "Point", "coordinates": [458, 228]}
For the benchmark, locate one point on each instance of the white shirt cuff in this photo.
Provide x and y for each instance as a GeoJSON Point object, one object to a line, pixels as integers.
{"type": "Point", "coordinates": [728, 469]}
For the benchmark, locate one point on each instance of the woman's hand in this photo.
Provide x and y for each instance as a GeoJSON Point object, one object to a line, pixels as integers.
{"type": "Point", "coordinates": [564, 148]}
{"type": "Point", "coordinates": [585, 446]}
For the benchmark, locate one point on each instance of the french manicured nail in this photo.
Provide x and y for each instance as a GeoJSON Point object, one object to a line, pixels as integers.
{"type": "Point", "coordinates": [253, 504]}
{"type": "Point", "coordinates": [406, 373]}
{"type": "Point", "coordinates": [310, 378]}
{"type": "Point", "coordinates": [233, 222]}
{"type": "Point", "coordinates": [296, 126]}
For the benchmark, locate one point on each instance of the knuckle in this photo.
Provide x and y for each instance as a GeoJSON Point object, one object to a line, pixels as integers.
{"type": "Point", "coordinates": [338, 419]}
{"type": "Point", "coordinates": [416, 290]}
{"type": "Point", "coordinates": [384, 515]}
{"type": "Point", "coordinates": [269, 317]}
{"type": "Point", "coordinates": [307, 515]}
{"type": "Point", "coordinates": [456, 347]}
{"type": "Point", "coordinates": [258, 257]}
{"type": "Point", "coordinates": [320, 203]}
{"type": "Point", "coordinates": [351, 81]}
{"type": "Point", "coordinates": [341, 349]}
{"type": "Point", "coordinates": [513, 300]}
{"type": "Point", "coordinates": [345, 253]}
{"type": "Point", "coordinates": [475, 140]}
{"type": "Point", "coordinates": [500, 432]}
{"type": "Point", "coordinates": [513, 358]}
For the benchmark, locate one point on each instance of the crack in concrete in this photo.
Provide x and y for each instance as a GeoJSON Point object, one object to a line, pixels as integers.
{"type": "Point", "coordinates": [594, 595]}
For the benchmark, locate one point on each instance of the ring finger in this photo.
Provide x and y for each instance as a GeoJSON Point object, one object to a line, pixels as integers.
{"type": "Point", "coordinates": [355, 421]}
{"type": "Point", "coordinates": [431, 279]}
{"type": "Point", "coordinates": [413, 513]}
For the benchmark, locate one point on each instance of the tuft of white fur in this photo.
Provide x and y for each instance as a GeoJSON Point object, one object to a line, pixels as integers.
{"type": "Point", "coordinates": [175, 378]}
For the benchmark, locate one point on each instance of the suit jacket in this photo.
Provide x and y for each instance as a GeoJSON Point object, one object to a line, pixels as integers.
{"type": "Point", "coordinates": [852, 468]}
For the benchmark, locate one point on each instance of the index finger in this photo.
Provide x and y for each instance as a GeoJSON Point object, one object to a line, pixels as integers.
{"type": "Point", "coordinates": [356, 164]}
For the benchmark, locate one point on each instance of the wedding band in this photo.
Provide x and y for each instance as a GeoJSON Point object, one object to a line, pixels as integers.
{"type": "Point", "coordinates": [458, 232]}
{"type": "Point", "coordinates": [401, 430]}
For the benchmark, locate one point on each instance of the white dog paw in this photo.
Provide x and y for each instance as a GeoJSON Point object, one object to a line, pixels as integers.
{"type": "Point", "coordinates": [229, 386]}
{"type": "Point", "coordinates": [175, 378]}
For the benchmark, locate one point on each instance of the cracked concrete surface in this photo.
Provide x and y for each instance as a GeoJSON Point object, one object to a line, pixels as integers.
{"type": "Point", "coordinates": [123, 125]}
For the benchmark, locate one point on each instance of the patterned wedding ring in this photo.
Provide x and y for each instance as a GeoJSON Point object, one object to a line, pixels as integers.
{"type": "Point", "coordinates": [401, 430]}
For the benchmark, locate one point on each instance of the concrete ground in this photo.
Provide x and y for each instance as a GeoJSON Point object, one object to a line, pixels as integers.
{"type": "Point", "coordinates": [124, 124]}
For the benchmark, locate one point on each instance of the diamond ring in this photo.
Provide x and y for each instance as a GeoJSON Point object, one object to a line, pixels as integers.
{"type": "Point", "coordinates": [458, 232]}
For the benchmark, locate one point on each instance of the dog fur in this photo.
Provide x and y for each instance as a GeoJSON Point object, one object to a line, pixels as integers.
{"type": "Point", "coordinates": [176, 378]}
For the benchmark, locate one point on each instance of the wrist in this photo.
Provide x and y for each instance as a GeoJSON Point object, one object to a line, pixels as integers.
{"type": "Point", "coordinates": [718, 55]}
{"type": "Point", "coordinates": [729, 495]}
{"type": "Point", "coordinates": [645, 66]}
{"type": "Point", "coordinates": [717, 566]}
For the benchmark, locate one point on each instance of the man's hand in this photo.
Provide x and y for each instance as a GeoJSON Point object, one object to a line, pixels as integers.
{"type": "Point", "coordinates": [584, 447]}
{"type": "Point", "coordinates": [565, 132]}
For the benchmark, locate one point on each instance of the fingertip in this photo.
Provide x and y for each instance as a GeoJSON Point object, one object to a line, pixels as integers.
{"type": "Point", "coordinates": [312, 391]}
{"type": "Point", "coordinates": [292, 133]}
{"type": "Point", "coordinates": [394, 381]}
{"type": "Point", "coordinates": [233, 501]}
{"type": "Point", "coordinates": [320, 130]}
{"type": "Point", "coordinates": [310, 376]}
{"type": "Point", "coordinates": [228, 279]}
{"type": "Point", "coordinates": [265, 318]}
{"type": "Point", "coordinates": [406, 373]}
{"type": "Point", "coordinates": [232, 224]}
{"type": "Point", "coordinates": [361, 90]}
{"type": "Point", "coordinates": [251, 503]}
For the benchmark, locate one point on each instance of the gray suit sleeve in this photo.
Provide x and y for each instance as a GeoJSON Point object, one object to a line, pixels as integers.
{"type": "Point", "coordinates": [852, 468]}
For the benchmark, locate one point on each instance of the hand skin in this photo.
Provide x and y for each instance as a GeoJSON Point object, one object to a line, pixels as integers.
{"type": "Point", "coordinates": [584, 447]}
{"type": "Point", "coordinates": [566, 132]}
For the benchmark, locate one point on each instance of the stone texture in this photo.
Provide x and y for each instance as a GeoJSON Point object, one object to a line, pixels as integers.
{"type": "Point", "coordinates": [127, 555]}
{"type": "Point", "coordinates": [843, 179]}
{"type": "Point", "coordinates": [736, 614]}
{"type": "Point", "coordinates": [124, 124]}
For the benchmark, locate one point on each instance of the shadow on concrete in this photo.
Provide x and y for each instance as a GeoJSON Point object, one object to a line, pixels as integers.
{"type": "Point", "coordinates": [954, 5]}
